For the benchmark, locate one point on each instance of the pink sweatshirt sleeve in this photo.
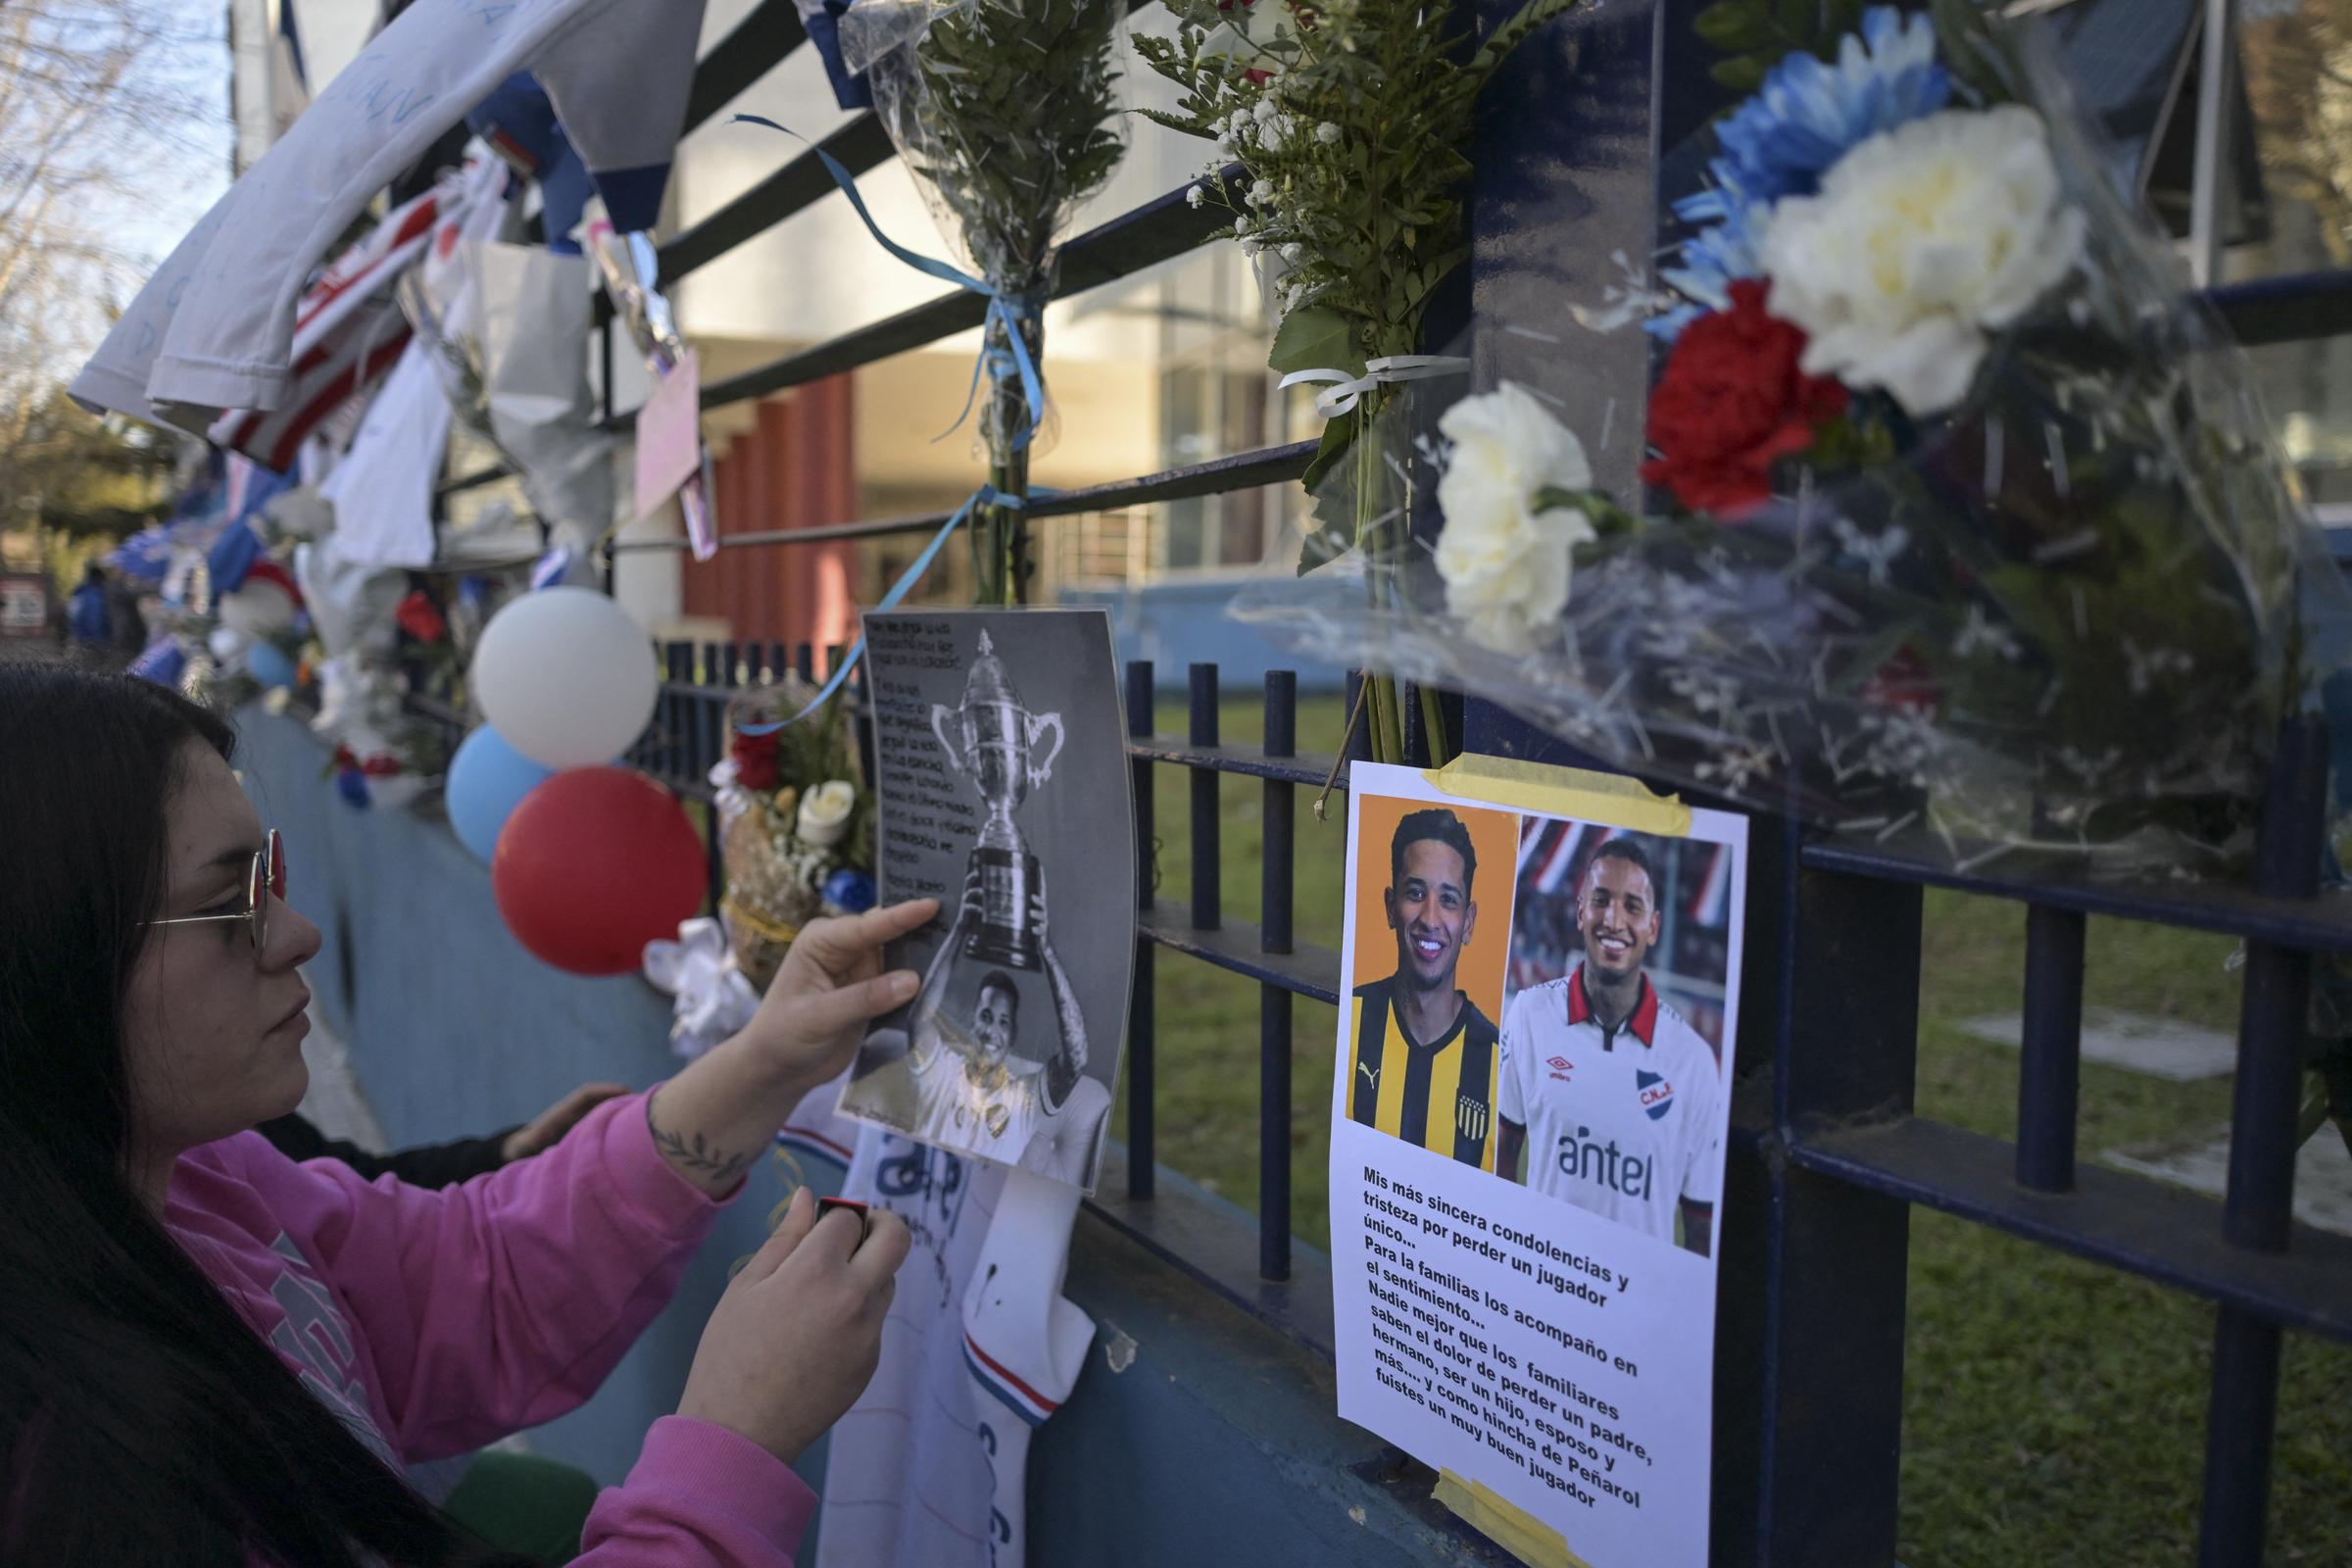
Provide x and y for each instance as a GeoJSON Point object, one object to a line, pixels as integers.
{"type": "Point", "coordinates": [700, 1496]}
{"type": "Point", "coordinates": [502, 1302]}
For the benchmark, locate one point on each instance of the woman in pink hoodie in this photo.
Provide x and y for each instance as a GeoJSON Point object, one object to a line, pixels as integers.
{"type": "Point", "coordinates": [209, 1356]}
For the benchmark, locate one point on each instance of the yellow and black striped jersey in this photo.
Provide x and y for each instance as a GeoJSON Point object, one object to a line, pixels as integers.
{"type": "Point", "coordinates": [1440, 1096]}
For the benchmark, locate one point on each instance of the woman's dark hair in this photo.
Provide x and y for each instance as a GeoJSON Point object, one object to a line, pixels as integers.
{"type": "Point", "coordinates": [142, 1421]}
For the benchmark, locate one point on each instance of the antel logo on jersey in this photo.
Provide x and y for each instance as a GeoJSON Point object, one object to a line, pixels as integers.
{"type": "Point", "coordinates": [1656, 1093]}
{"type": "Point", "coordinates": [1559, 1066]}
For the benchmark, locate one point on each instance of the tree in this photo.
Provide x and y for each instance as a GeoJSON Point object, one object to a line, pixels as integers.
{"type": "Point", "coordinates": [106, 143]}
{"type": "Point", "coordinates": [2298, 64]}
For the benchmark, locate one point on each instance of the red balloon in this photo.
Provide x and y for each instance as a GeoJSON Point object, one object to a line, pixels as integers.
{"type": "Point", "coordinates": [595, 863]}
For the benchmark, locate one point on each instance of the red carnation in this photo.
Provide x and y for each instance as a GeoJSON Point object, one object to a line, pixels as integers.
{"type": "Point", "coordinates": [1904, 681]}
{"type": "Point", "coordinates": [1731, 403]}
{"type": "Point", "coordinates": [420, 617]}
{"type": "Point", "coordinates": [756, 761]}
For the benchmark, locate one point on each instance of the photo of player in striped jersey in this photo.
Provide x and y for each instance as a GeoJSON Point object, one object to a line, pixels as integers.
{"type": "Point", "coordinates": [1424, 1056]}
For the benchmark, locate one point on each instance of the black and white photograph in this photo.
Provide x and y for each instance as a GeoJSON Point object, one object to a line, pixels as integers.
{"type": "Point", "coordinates": [1001, 782]}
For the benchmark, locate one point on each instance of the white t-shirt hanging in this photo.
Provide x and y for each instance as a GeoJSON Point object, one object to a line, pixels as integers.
{"type": "Point", "coordinates": [929, 1468]}
{"type": "Point", "coordinates": [214, 328]}
{"type": "Point", "coordinates": [382, 490]}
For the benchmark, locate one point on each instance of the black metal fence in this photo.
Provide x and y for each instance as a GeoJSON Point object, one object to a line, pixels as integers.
{"type": "Point", "coordinates": [1829, 1158]}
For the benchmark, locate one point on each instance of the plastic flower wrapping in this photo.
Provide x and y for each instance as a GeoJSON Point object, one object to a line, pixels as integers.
{"type": "Point", "coordinates": [1005, 113]}
{"type": "Point", "coordinates": [796, 823]}
{"type": "Point", "coordinates": [1964, 531]}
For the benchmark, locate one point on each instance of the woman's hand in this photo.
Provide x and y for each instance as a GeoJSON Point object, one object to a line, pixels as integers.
{"type": "Point", "coordinates": [830, 985]}
{"type": "Point", "coordinates": [547, 1129]}
{"type": "Point", "coordinates": [795, 1338]}
{"type": "Point", "coordinates": [716, 1116]}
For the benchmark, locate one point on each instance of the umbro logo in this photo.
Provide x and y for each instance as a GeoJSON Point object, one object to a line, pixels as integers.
{"type": "Point", "coordinates": [1559, 1066]}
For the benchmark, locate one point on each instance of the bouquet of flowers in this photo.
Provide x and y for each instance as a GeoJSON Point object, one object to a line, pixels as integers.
{"type": "Point", "coordinates": [1002, 110]}
{"type": "Point", "coordinates": [795, 825]}
{"type": "Point", "coordinates": [1973, 530]}
{"type": "Point", "coordinates": [1349, 121]}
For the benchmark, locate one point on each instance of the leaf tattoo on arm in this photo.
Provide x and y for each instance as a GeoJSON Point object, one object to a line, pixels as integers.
{"type": "Point", "coordinates": [693, 1153]}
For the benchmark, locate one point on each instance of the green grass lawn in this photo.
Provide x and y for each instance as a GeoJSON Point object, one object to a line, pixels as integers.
{"type": "Point", "coordinates": [2054, 1410]}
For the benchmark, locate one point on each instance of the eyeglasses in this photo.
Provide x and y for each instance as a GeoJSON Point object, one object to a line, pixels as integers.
{"type": "Point", "coordinates": [264, 881]}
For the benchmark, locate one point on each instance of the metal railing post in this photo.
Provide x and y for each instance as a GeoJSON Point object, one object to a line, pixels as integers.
{"type": "Point", "coordinates": [2050, 1063]}
{"type": "Point", "coordinates": [2241, 1414]}
{"type": "Point", "coordinates": [1209, 896]}
{"type": "Point", "coordinates": [1140, 1020]}
{"type": "Point", "coordinates": [1273, 1001]}
{"type": "Point", "coordinates": [1835, 1257]}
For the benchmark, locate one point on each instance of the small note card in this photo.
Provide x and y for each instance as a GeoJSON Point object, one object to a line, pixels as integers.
{"type": "Point", "coordinates": [669, 438]}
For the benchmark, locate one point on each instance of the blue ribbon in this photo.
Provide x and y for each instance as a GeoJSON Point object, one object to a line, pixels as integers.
{"type": "Point", "coordinates": [987, 495]}
{"type": "Point", "coordinates": [1007, 310]}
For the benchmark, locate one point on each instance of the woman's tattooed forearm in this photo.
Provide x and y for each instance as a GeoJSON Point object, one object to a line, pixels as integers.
{"type": "Point", "coordinates": [693, 1153]}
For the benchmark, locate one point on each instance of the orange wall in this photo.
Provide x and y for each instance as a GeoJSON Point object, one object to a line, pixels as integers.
{"type": "Point", "coordinates": [797, 469]}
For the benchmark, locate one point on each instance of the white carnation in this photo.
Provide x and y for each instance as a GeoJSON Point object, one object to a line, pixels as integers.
{"type": "Point", "coordinates": [1505, 566]}
{"type": "Point", "coordinates": [1240, 227]}
{"type": "Point", "coordinates": [1262, 192]}
{"type": "Point", "coordinates": [1264, 111]}
{"type": "Point", "coordinates": [1329, 133]}
{"type": "Point", "coordinates": [1922, 240]}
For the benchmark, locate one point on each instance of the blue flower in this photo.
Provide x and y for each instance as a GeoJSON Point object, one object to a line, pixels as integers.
{"type": "Point", "coordinates": [850, 890]}
{"type": "Point", "coordinates": [1806, 117]}
{"type": "Point", "coordinates": [1712, 260]}
{"type": "Point", "coordinates": [1808, 113]}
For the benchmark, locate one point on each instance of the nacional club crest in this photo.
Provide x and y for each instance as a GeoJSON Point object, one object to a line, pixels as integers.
{"type": "Point", "coordinates": [1656, 1093]}
{"type": "Point", "coordinates": [1470, 1117]}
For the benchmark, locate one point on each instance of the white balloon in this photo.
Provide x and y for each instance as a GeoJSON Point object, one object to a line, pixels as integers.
{"type": "Point", "coordinates": [257, 609]}
{"type": "Point", "coordinates": [566, 677]}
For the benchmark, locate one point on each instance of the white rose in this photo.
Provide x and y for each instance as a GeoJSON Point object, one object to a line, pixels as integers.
{"type": "Point", "coordinates": [1922, 240]}
{"type": "Point", "coordinates": [1505, 566]}
{"type": "Point", "coordinates": [825, 815]}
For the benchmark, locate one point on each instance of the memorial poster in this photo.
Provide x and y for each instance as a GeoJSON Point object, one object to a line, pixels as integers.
{"type": "Point", "coordinates": [1002, 780]}
{"type": "Point", "coordinates": [1529, 1107]}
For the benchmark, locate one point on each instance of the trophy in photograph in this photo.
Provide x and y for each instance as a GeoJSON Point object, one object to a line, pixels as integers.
{"type": "Point", "coordinates": [999, 754]}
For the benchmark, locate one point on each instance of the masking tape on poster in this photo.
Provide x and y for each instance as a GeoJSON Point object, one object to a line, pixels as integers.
{"type": "Point", "coordinates": [1570, 792]}
{"type": "Point", "coordinates": [1513, 1528]}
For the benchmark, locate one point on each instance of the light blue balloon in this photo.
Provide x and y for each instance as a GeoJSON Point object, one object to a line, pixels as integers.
{"type": "Point", "coordinates": [487, 781]}
{"type": "Point", "coordinates": [270, 665]}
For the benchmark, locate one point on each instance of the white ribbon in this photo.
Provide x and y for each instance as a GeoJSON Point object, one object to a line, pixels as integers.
{"type": "Point", "coordinates": [715, 999]}
{"type": "Point", "coordinates": [1347, 390]}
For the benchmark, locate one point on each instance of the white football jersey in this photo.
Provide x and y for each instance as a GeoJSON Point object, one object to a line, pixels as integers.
{"type": "Point", "coordinates": [1625, 1122]}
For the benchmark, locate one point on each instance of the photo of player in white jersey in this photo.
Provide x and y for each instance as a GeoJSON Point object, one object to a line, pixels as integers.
{"type": "Point", "coordinates": [1614, 1097]}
